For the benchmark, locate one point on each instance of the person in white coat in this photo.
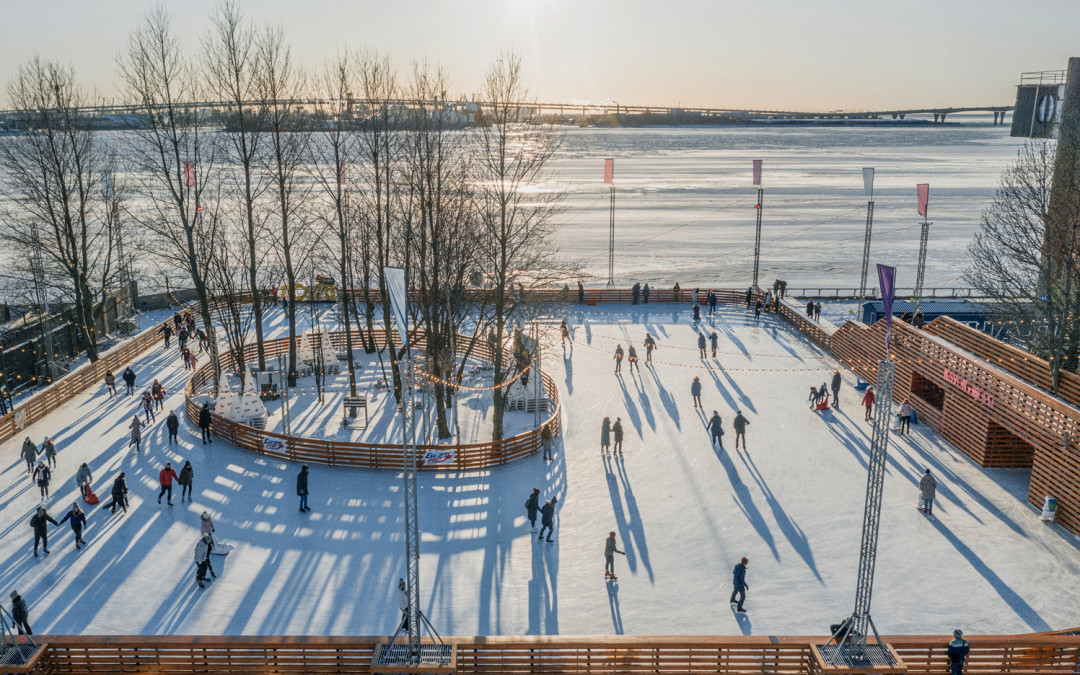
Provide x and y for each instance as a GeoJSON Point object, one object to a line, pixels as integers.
{"type": "Point", "coordinates": [403, 603]}
{"type": "Point", "coordinates": [203, 549]}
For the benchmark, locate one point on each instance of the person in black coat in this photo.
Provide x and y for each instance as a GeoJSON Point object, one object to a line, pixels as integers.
{"type": "Point", "coordinates": [580, 293]}
{"type": "Point", "coordinates": [204, 423]}
{"type": "Point", "coordinates": [172, 423]}
{"type": "Point", "coordinates": [836, 388]}
{"type": "Point", "coordinates": [547, 518]}
{"type": "Point", "coordinates": [749, 296]}
{"type": "Point", "coordinates": [20, 614]}
{"type": "Point", "coordinates": [119, 494]}
{"type": "Point", "coordinates": [78, 521]}
{"type": "Point", "coordinates": [302, 488]}
{"type": "Point", "coordinates": [129, 380]}
{"type": "Point", "coordinates": [40, 523]}
{"type": "Point", "coordinates": [636, 291]}
{"type": "Point", "coordinates": [532, 507]}
{"type": "Point", "coordinates": [716, 429]}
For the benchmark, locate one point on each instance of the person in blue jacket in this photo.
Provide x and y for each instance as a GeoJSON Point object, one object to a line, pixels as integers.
{"type": "Point", "coordinates": [739, 585]}
{"type": "Point", "coordinates": [78, 521]}
{"type": "Point", "coordinates": [958, 651]}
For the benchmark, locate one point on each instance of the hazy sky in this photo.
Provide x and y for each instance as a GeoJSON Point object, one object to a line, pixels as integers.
{"type": "Point", "coordinates": [792, 54]}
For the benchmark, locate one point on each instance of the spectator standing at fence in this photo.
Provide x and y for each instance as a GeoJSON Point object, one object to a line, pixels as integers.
{"type": "Point", "coordinates": [48, 448]}
{"type": "Point", "coordinates": [905, 417]}
{"type": "Point", "coordinates": [172, 423]}
{"type": "Point", "coordinates": [635, 292]}
{"type": "Point", "coordinates": [712, 302]}
{"type": "Point", "coordinates": [645, 293]}
{"type": "Point", "coordinates": [204, 423]}
{"type": "Point", "coordinates": [129, 380]}
{"type": "Point", "coordinates": [868, 402]}
{"type": "Point", "coordinates": [650, 345]}
{"type": "Point", "coordinates": [676, 292]}
{"type": "Point", "coordinates": [185, 480]}
{"type": "Point", "coordinates": [580, 293]}
{"type": "Point", "coordinates": [739, 585]}
{"type": "Point", "coordinates": [694, 296]}
{"type": "Point", "coordinates": [618, 358]}
{"type": "Point", "coordinates": [83, 478]}
{"type": "Point", "coordinates": [927, 492]}
{"type": "Point", "coordinates": [20, 614]}
{"type": "Point", "coordinates": [302, 488]}
{"type": "Point", "coordinates": [836, 380]}
{"type": "Point", "coordinates": [810, 310]}
{"type": "Point", "coordinates": [695, 392]}
{"type": "Point", "coordinates": [958, 651]}
{"type": "Point", "coordinates": [749, 296]}
{"type": "Point", "coordinates": [547, 518]}
{"type": "Point", "coordinates": [110, 383]}
{"type": "Point", "coordinates": [532, 507]}
{"type": "Point", "coordinates": [136, 433]}
{"type": "Point", "coordinates": [783, 288]}
{"type": "Point", "coordinates": [757, 310]}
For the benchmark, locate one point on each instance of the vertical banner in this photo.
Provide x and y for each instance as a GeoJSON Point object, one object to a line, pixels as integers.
{"type": "Point", "coordinates": [868, 182]}
{"type": "Point", "coordinates": [757, 172]}
{"type": "Point", "coordinates": [886, 280]}
{"type": "Point", "coordinates": [341, 172]}
{"type": "Point", "coordinates": [924, 197]}
{"type": "Point", "coordinates": [609, 170]}
{"type": "Point", "coordinates": [399, 300]}
{"type": "Point", "coordinates": [189, 174]}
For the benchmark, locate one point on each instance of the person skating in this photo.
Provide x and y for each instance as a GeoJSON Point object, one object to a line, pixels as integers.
{"type": "Point", "coordinates": [203, 549]}
{"type": "Point", "coordinates": [547, 518]}
{"type": "Point", "coordinates": [40, 523]}
{"type": "Point", "coordinates": [129, 380]}
{"type": "Point", "coordinates": [136, 433]}
{"type": "Point", "coordinates": [749, 296]}
{"type": "Point", "coordinates": [645, 293]}
{"type": "Point", "coordinates": [696, 310]}
{"type": "Point", "coordinates": [565, 330]}
{"type": "Point", "coordinates": [147, 404]}
{"type": "Point", "coordinates": [78, 521]}
{"type": "Point", "coordinates": [695, 391]}
{"type": "Point", "coordinates": [166, 331]}
{"type": "Point", "coordinates": [868, 402]}
{"type": "Point", "coordinates": [814, 396]}
{"type": "Point", "coordinates": [83, 478]}
{"type": "Point", "coordinates": [650, 345]}
{"type": "Point", "coordinates": [927, 492]}
{"type": "Point", "coordinates": [712, 303]}
{"type": "Point", "coordinates": [206, 524]}
{"type": "Point", "coordinates": [610, 549]}
{"type": "Point", "coordinates": [158, 392]}
{"type": "Point", "coordinates": [701, 345]}
{"type": "Point", "coordinates": [302, 488]}
{"type": "Point", "coordinates": [739, 585]}
{"type": "Point", "coordinates": [185, 357]}
{"type": "Point", "coordinates": [181, 339]}
{"type": "Point", "coordinates": [547, 442]}
{"type": "Point", "coordinates": [716, 429]}
{"type": "Point", "coordinates": [905, 417]}
{"type": "Point", "coordinates": [193, 361]}
{"type": "Point", "coordinates": [110, 384]}
{"type": "Point", "coordinates": [29, 453]}
{"type": "Point", "coordinates": [714, 341]}
{"type": "Point", "coordinates": [636, 292]}
{"type": "Point", "coordinates": [605, 436]}
{"type": "Point", "coordinates": [836, 380]}
{"type": "Point", "coordinates": [757, 310]}
{"type": "Point", "coordinates": [165, 479]}
{"type": "Point", "coordinates": [20, 614]}
{"type": "Point", "coordinates": [42, 476]}
{"type": "Point", "coordinates": [631, 357]}
{"type": "Point", "coordinates": [740, 423]}
{"type": "Point", "coordinates": [958, 651]}
{"type": "Point", "coordinates": [119, 494]}
{"type": "Point", "coordinates": [617, 432]}
{"type": "Point", "coordinates": [532, 507]}
{"type": "Point", "coordinates": [618, 358]}
{"type": "Point", "coordinates": [48, 448]}
{"type": "Point", "coordinates": [204, 424]}
{"type": "Point", "coordinates": [172, 423]}
{"type": "Point", "coordinates": [187, 473]}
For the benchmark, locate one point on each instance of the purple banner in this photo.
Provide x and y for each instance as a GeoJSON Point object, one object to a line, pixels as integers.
{"type": "Point", "coordinates": [886, 279]}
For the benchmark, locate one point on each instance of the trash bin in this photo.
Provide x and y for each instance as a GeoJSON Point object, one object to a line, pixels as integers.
{"type": "Point", "coordinates": [1049, 509]}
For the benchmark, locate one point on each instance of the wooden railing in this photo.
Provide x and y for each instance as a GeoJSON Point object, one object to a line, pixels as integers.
{"type": "Point", "coordinates": [468, 456]}
{"type": "Point", "coordinates": [1039, 653]}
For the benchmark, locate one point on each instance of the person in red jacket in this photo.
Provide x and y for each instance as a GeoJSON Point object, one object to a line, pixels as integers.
{"type": "Point", "coordinates": [868, 401]}
{"type": "Point", "coordinates": [166, 478]}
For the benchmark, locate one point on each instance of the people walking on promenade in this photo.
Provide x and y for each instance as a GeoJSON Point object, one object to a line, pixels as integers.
{"type": "Point", "coordinates": [905, 417]}
{"type": "Point", "coordinates": [565, 330]}
{"type": "Point", "coordinates": [547, 442]}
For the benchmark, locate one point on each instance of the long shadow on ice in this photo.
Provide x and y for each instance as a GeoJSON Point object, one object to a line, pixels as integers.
{"type": "Point", "coordinates": [646, 405]}
{"type": "Point", "coordinates": [665, 398]}
{"type": "Point", "coordinates": [631, 407]}
{"type": "Point", "coordinates": [613, 604]}
{"type": "Point", "coordinates": [742, 498]}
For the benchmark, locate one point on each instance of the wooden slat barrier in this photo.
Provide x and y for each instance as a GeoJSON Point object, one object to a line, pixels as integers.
{"type": "Point", "coordinates": [468, 456]}
{"type": "Point", "coordinates": [1038, 653]}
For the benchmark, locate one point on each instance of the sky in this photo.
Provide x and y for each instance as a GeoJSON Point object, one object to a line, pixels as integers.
{"type": "Point", "coordinates": [772, 54]}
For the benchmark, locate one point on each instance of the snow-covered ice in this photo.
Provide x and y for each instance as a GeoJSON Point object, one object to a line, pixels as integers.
{"type": "Point", "coordinates": [684, 513]}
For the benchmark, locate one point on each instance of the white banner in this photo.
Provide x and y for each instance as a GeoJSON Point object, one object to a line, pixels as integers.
{"type": "Point", "coordinates": [275, 445]}
{"type": "Point", "coordinates": [436, 457]}
{"type": "Point", "coordinates": [399, 300]}
{"type": "Point", "coordinates": [868, 182]}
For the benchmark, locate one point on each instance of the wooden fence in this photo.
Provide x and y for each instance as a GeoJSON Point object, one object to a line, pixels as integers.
{"type": "Point", "coordinates": [1033, 654]}
{"type": "Point", "coordinates": [467, 456]}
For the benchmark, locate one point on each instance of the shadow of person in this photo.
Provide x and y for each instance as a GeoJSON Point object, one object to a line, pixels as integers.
{"type": "Point", "coordinates": [613, 604]}
{"type": "Point", "coordinates": [743, 619]}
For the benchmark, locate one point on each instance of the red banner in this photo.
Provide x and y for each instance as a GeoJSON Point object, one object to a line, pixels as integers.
{"type": "Point", "coordinates": [924, 197]}
{"type": "Point", "coordinates": [189, 173]}
{"type": "Point", "coordinates": [757, 172]}
{"type": "Point", "coordinates": [609, 170]}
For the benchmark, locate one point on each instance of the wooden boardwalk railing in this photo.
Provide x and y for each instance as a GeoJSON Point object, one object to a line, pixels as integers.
{"type": "Point", "coordinates": [1032, 654]}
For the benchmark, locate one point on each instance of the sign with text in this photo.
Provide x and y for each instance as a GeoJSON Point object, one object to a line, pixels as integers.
{"type": "Point", "coordinates": [438, 457]}
{"type": "Point", "coordinates": [970, 389]}
{"type": "Point", "coordinates": [277, 446]}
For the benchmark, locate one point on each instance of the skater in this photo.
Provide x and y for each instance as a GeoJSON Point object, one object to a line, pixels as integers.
{"type": "Point", "coordinates": [29, 453]}
{"type": "Point", "coordinates": [119, 494]}
{"type": "Point", "coordinates": [204, 423]}
{"type": "Point", "coordinates": [836, 388]}
{"type": "Point", "coordinates": [186, 474]}
{"type": "Point", "coordinates": [546, 442]}
{"type": "Point", "coordinates": [302, 488]}
{"type": "Point", "coordinates": [49, 450]}
{"type": "Point", "coordinates": [203, 549]}
{"type": "Point", "coordinates": [712, 303]}
{"type": "Point", "coordinates": [636, 293]}
{"type": "Point", "coordinates": [42, 476]}
{"type": "Point", "coordinates": [40, 523]}
{"type": "Point", "coordinates": [695, 391]}
{"type": "Point", "coordinates": [905, 417]}
{"type": "Point", "coordinates": [83, 478]}
{"type": "Point", "coordinates": [714, 341]}
{"type": "Point", "coordinates": [158, 392]}
{"type": "Point", "coordinates": [814, 397]}
{"type": "Point", "coordinates": [148, 407]}
{"type": "Point", "coordinates": [172, 423]}
{"type": "Point", "coordinates": [650, 345]}
{"type": "Point", "coordinates": [78, 521]}
{"type": "Point", "coordinates": [609, 556]}
{"type": "Point", "coordinates": [697, 313]}
{"type": "Point", "coordinates": [165, 478]}
{"type": "Point", "coordinates": [645, 293]}
{"type": "Point", "coordinates": [927, 492]}
{"type": "Point", "coordinates": [580, 293]}
{"type": "Point", "coordinates": [403, 604]}
{"type": "Point", "coordinates": [185, 357]}
{"type": "Point", "coordinates": [136, 433]}
{"type": "Point", "coordinates": [605, 436]}
{"type": "Point", "coordinates": [110, 383]}
{"type": "Point", "coordinates": [868, 402]}
{"type": "Point", "coordinates": [166, 331]}
{"type": "Point", "coordinates": [129, 380]}
{"type": "Point", "coordinates": [740, 429]}
{"type": "Point", "coordinates": [565, 330]}
{"type": "Point", "coordinates": [20, 614]}
{"type": "Point", "coordinates": [547, 518]}
{"type": "Point", "coordinates": [618, 358]}
{"type": "Point", "coordinates": [749, 296]}
{"type": "Point", "coordinates": [631, 356]}
{"type": "Point", "coordinates": [716, 429]}
{"type": "Point", "coordinates": [532, 507]}
{"type": "Point", "coordinates": [701, 345]}
{"type": "Point", "coordinates": [958, 651]}
{"type": "Point", "coordinates": [757, 310]}
{"type": "Point", "coordinates": [206, 524]}
{"type": "Point", "coordinates": [676, 293]}
{"type": "Point", "coordinates": [181, 339]}
{"type": "Point", "coordinates": [193, 360]}
{"type": "Point", "coordinates": [740, 587]}
{"type": "Point", "coordinates": [617, 432]}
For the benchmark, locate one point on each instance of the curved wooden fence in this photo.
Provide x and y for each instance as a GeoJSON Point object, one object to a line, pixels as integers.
{"type": "Point", "coordinates": [468, 456]}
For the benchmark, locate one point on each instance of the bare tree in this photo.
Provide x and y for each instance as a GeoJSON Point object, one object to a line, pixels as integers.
{"type": "Point", "coordinates": [517, 206]}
